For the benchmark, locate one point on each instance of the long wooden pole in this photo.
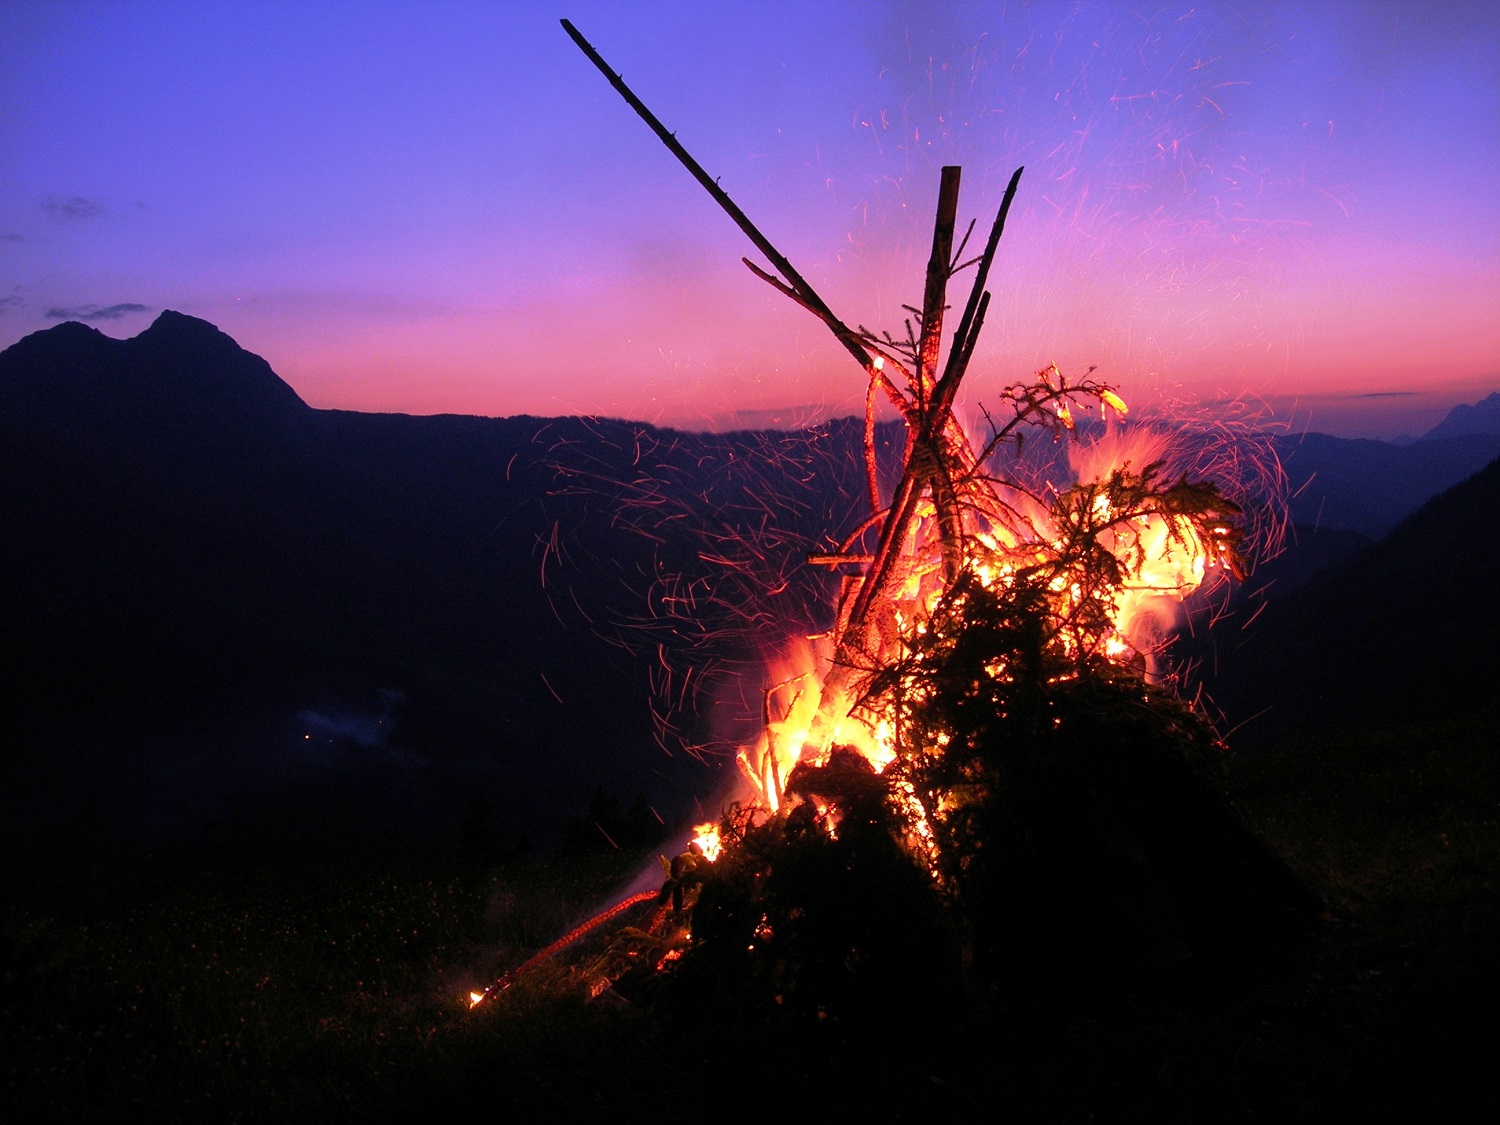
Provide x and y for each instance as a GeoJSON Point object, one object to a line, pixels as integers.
{"type": "Point", "coordinates": [934, 440]}
{"type": "Point", "coordinates": [972, 320]}
{"type": "Point", "coordinates": [801, 291]}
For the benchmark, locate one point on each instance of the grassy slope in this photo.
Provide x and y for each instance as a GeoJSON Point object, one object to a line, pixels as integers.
{"type": "Point", "coordinates": [333, 991]}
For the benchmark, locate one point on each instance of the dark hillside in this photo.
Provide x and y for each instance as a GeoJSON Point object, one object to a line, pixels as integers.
{"type": "Point", "coordinates": [228, 611]}
{"type": "Point", "coordinates": [1401, 633]}
{"type": "Point", "coordinates": [1371, 486]}
{"type": "Point", "coordinates": [289, 638]}
{"type": "Point", "coordinates": [226, 606]}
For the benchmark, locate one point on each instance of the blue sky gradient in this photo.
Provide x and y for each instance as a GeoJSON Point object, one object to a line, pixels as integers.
{"type": "Point", "coordinates": [444, 207]}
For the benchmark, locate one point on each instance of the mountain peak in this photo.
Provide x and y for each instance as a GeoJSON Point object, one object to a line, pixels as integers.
{"type": "Point", "coordinates": [182, 376]}
{"type": "Point", "coordinates": [170, 320]}
{"type": "Point", "coordinates": [173, 325]}
{"type": "Point", "coordinates": [1481, 418]}
{"type": "Point", "coordinates": [68, 336]}
{"type": "Point", "coordinates": [70, 329]}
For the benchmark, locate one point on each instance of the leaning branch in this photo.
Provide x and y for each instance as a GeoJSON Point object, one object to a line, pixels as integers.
{"type": "Point", "coordinates": [800, 290]}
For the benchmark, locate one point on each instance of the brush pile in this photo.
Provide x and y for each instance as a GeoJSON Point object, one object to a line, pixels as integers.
{"type": "Point", "coordinates": [977, 785]}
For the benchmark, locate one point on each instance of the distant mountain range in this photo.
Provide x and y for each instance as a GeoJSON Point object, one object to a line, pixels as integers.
{"type": "Point", "coordinates": [1370, 486]}
{"type": "Point", "coordinates": [1481, 418]}
{"type": "Point", "coordinates": [1400, 634]}
{"type": "Point", "coordinates": [230, 614]}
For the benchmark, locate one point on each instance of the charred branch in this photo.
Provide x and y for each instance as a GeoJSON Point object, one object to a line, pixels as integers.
{"type": "Point", "coordinates": [839, 560]}
{"type": "Point", "coordinates": [935, 292]}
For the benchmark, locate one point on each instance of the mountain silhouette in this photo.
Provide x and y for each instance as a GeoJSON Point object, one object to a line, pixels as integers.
{"type": "Point", "coordinates": [1399, 633]}
{"type": "Point", "coordinates": [231, 614]}
{"type": "Point", "coordinates": [220, 599]}
{"type": "Point", "coordinates": [1483, 417]}
{"type": "Point", "coordinates": [1371, 486]}
{"type": "Point", "coordinates": [181, 381]}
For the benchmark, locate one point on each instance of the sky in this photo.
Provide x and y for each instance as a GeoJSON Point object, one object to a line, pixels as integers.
{"type": "Point", "coordinates": [443, 207]}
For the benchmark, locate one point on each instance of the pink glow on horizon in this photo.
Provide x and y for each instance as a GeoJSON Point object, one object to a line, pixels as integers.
{"type": "Point", "coordinates": [447, 210]}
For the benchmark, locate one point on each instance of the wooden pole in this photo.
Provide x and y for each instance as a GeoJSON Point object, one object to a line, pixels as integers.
{"type": "Point", "coordinates": [798, 287]}
{"type": "Point", "coordinates": [935, 292]}
{"type": "Point", "coordinates": [969, 324]}
{"type": "Point", "coordinates": [939, 459]}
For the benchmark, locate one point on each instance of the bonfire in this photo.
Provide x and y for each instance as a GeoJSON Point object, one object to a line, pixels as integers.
{"type": "Point", "coordinates": [979, 758]}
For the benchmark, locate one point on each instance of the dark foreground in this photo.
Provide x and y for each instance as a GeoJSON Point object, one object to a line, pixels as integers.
{"type": "Point", "coordinates": [174, 988]}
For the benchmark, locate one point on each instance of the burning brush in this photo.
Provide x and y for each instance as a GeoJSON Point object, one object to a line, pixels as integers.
{"type": "Point", "coordinates": [977, 760]}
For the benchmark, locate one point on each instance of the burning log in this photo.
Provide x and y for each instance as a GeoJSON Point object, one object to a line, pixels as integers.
{"type": "Point", "coordinates": [542, 956]}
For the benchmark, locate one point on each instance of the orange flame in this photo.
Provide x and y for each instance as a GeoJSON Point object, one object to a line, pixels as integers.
{"type": "Point", "coordinates": [808, 712]}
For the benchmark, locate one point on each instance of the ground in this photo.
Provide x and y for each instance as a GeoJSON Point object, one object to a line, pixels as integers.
{"type": "Point", "coordinates": [251, 988]}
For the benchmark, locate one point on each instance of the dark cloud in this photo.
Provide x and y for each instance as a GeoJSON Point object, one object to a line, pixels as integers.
{"type": "Point", "coordinates": [12, 238]}
{"type": "Point", "coordinates": [11, 302]}
{"type": "Point", "coordinates": [95, 312]}
{"type": "Point", "coordinates": [1387, 394]}
{"type": "Point", "coordinates": [74, 207]}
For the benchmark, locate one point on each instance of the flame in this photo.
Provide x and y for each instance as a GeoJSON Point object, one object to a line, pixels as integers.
{"type": "Point", "coordinates": [808, 711]}
{"type": "Point", "coordinates": [706, 839]}
{"type": "Point", "coordinates": [807, 717]}
{"type": "Point", "coordinates": [1164, 561]}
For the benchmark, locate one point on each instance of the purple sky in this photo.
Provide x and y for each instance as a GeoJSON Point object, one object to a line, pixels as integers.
{"type": "Point", "coordinates": [444, 207]}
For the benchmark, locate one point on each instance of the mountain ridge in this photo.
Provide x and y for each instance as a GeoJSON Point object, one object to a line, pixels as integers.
{"type": "Point", "coordinates": [1396, 633]}
{"type": "Point", "coordinates": [181, 380]}
{"type": "Point", "coordinates": [204, 594]}
{"type": "Point", "coordinates": [1482, 417]}
{"type": "Point", "coordinates": [529, 589]}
